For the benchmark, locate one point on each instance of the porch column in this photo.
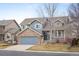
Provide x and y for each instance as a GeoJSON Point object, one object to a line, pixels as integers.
{"type": "Point", "coordinates": [64, 36]}
{"type": "Point", "coordinates": [54, 34]}
{"type": "Point", "coordinates": [40, 40]}
{"type": "Point", "coordinates": [57, 34]}
{"type": "Point", "coordinates": [51, 35]}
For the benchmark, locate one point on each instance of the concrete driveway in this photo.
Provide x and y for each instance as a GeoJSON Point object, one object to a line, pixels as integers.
{"type": "Point", "coordinates": [18, 47]}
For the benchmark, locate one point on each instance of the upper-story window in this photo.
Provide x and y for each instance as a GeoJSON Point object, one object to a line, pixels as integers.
{"type": "Point", "coordinates": [38, 26]}
{"type": "Point", "coordinates": [59, 33]}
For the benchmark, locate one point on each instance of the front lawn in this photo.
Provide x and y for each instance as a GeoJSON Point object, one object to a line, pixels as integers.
{"type": "Point", "coordinates": [3, 45]}
{"type": "Point", "coordinates": [54, 47]}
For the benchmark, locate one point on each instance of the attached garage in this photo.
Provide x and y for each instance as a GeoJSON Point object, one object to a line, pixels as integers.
{"type": "Point", "coordinates": [28, 40]}
{"type": "Point", "coordinates": [29, 36]}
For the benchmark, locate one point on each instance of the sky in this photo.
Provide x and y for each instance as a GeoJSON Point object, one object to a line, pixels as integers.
{"type": "Point", "coordinates": [20, 11]}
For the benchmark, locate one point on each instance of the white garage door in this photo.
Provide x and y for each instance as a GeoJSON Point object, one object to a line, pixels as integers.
{"type": "Point", "coordinates": [29, 40]}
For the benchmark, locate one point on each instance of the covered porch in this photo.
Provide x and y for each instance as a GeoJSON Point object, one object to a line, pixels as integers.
{"type": "Point", "coordinates": [56, 35]}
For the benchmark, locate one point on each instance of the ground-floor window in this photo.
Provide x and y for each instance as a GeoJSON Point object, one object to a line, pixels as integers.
{"type": "Point", "coordinates": [55, 34]}
{"type": "Point", "coordinates": [59, 33]}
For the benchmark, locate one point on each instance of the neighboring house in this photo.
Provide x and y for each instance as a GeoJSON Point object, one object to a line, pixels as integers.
{"type": "Point", "coordinates": [62, 28]}
{"type": "Point", "coordinates": [8, 31]}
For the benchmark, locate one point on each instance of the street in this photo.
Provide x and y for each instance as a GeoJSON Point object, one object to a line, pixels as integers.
{"type": "Point", "coordinates": [21, 53]}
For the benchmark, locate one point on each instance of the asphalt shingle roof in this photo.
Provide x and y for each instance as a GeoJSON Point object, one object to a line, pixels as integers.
{"type": "Point", "coordinates": [5, 22]}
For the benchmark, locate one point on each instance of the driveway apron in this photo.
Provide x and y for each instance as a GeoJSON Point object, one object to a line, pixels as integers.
{"type": "Point", "coordinates": [18, 47]}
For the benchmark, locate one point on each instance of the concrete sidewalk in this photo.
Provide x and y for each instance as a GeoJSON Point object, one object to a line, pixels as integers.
{"type": "Point", "coordinates": [18, 47]}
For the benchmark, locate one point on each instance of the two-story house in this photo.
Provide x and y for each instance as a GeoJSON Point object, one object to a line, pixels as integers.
{"type": "Point", "coordinates": [39, 30]}
{"type": "Point", "coordinates": [31, 31]}
{"type": "Point", "coordinates": [8, 31]}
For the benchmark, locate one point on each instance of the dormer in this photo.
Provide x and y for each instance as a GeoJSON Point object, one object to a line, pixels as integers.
{"type": "Point", "coordinates": [58, 23]}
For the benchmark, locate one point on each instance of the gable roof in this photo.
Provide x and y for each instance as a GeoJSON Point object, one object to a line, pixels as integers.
{"type": "Point", "coordinates": [17, 25]}
{"type": "Point", "coordinates": [8, 22]}
{"type": "Point", "coordinates": [13, 30]}
{"type": "Point", "coordinates": [35, 21]}
{"type": "Point", "coordinates": [30, 20]}
{"type": "Point", "coordinates": [42, 20]}
{"type": "Point", "coordinates": [63, 19]}
{"type": "Point", "coordinates": [53, 20]}
{"type": "Point", "coordinates": [58, 21]}
{"type": "Point", "coordinates": [30, 29]}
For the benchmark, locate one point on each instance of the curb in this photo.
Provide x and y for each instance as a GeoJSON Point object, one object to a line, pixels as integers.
{"type": "Point", "coordinates": [52, 52]}
{"type": "Point", "coordinates": [44, 51]}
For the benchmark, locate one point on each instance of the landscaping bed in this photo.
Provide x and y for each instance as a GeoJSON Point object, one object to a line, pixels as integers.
{"type": "Point", "coordinates": [58, 47]}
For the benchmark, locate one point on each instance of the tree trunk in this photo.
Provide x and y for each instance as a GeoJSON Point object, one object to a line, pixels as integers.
{"type": "Point", "coordinates": [50, 31]}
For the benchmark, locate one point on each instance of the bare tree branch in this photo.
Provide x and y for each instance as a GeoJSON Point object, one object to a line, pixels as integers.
{"type": "Point", "coordinates": [74, 10]}
{"type": "Point", "coordinates": [48, 10]}
{"type": "Point", "coordinates": [74, 15]}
